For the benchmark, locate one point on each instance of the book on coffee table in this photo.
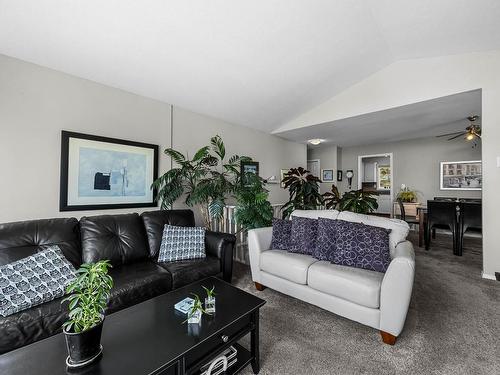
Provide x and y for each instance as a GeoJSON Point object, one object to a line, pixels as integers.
{"type": "Point", "coordinates": [185, 305]}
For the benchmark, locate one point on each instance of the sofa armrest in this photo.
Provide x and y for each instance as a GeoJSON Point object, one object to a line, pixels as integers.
{"type": "Point", "coordinates": [259, 240]}
{"type": "Point", "coordinates": [221, 245]}
{"type": "Point", "coordinates": [396, 290]}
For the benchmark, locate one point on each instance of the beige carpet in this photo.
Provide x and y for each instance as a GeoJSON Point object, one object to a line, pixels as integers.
{"type": "Point", "coordinates": [453, 325]}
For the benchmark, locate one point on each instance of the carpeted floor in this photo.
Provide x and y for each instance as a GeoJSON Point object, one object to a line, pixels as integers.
{"type": "Point", "coordinates": [453, 325]}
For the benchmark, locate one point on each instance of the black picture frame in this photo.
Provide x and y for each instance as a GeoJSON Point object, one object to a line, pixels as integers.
{"type": "Point", "coordinates": [339, 176]}
{"type": "Point", "coordinates": [246, 167]}
{"type": "Point", "coordinates": [64, 172]}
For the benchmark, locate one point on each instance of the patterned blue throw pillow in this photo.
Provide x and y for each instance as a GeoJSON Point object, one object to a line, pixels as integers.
{"type": "Point", "coordinates": [303, 238]}
{"type": "Point", "coordinates": [282, 230]}
{"type": "Point", "coordinates": [361, 246]}
{"type": "Point", "coordinates": [325, 241]}
{"type": "Point", "coordinates": [31, 281]}
{"type": "Point", "coordinates": [182, 243]}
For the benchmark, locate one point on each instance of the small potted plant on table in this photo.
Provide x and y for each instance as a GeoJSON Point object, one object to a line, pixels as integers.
{"type": "Point", "coordinates": [88, 299]}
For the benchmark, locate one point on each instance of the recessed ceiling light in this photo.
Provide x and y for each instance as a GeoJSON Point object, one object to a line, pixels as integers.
{"type": "Point", "coordinates": [315, 141]}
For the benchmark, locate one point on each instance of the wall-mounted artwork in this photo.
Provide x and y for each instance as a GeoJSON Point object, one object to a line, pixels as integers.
{"type": "Point", "coordinates": [103, 173]}
{"type": "Point", "coordinates": [383, 177]}
{"type": "Point", "coordinates": [327, 175]}
{"type": "Point", "coordinates": [248, 167]}
{"type": "Point", "coordinates": [461, 175]}
{"type": "Point", "coordinates": [282, 177]}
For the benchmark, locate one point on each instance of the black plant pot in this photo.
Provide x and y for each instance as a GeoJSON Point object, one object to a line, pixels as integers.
{"type": "Point", "coordinates": [85, 347]}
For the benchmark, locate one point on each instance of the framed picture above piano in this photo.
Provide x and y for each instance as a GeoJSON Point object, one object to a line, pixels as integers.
{"type": "Point", "coordinates": [461, 175]}
{"type": "Point", "coordinates": [103, 173]}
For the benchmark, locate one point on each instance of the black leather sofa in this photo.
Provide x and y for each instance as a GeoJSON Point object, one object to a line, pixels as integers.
{"type": "Point", "coordinates": [130, 241]}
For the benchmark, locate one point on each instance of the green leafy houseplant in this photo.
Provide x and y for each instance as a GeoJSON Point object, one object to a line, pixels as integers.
{"type": "Point", "coordinates": [194, 314]}
{"type": "Point", "coordinates": [332, 198]}
{"type": "Point", "coordinates": [253, 209]}
{"type": "Point", "coordinates": [207, 179]}
{"type": "Point", "coordinates": [303, 188]}
{"type": "Point", "coordinates": [358, 201]}
{"type": "Point", "coordinates": [88, 298]}
{"type": "Point", "coordinates": [406, 195]}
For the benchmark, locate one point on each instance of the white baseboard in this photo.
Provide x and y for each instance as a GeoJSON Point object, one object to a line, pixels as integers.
{"type": "Point", "coordinates": [488, 276]}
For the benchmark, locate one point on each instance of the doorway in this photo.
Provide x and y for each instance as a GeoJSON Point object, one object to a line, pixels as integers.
{"type": "Point", "coordinates": [376, 175]}
{"type": "Point", "coordinates": [314, 167]}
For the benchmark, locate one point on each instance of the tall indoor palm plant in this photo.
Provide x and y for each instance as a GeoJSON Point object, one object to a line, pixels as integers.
{"type": "Point", "coordinates": [206, 180]}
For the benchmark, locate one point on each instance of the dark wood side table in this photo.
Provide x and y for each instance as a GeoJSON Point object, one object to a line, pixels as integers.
{"type": "Point", "coordinates": [149, 338]}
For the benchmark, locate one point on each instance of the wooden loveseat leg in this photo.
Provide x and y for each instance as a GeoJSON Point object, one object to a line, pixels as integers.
{"type": "Point", "coordinates": [387, 338]}
{"type": "Point", "coordinates": [259, 287]}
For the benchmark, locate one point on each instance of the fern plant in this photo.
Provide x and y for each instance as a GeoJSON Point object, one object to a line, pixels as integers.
{"type": "Point", "coordinates": [88, 296]}
{"type": "Point", "coordinates": [303, 188]}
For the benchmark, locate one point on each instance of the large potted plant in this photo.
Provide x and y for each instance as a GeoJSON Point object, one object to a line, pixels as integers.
{"type": "Point", "coordinates": [358, 201]}
{"type": "Point", "coordinates": [88, 299]}
{"type": "Point", "coordinates": [206, 180]}
{"type": "Point", "coordinates": [303, 188]}
{"type": "Point", "coordinates": [253, 209]}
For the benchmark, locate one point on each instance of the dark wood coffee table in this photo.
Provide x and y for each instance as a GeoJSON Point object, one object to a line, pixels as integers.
{"type": "Point", "coordinates": [149, 338]}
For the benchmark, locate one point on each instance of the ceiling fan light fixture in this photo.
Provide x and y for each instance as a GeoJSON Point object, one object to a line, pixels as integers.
{"type": "Point", "coordinates": [470, 136]}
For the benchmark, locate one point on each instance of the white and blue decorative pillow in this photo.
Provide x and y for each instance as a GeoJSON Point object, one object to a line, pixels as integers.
{"type": "Point", "coordinates": [31, 281]}
{"type": "Point", "coordinates": [182, 243]}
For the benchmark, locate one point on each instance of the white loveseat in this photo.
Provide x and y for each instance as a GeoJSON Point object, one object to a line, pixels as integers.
{"type": "Point", "coordinates": [372, 298]}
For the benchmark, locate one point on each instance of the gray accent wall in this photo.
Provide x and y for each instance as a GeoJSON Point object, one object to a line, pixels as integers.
{"type": "Point", "coordinates": [36, 103]}
{"type": "Point", "coordinates": [416, 164]}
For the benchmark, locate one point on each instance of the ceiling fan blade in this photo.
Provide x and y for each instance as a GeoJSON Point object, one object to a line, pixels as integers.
{"type": "Point", "coordinates": [455, 137]}
{"type": "Point", "coordinates": [448, 134]}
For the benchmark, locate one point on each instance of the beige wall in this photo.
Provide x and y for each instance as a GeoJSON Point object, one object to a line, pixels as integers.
{"type": "Point", "coordinates": [416, 164]}
{"type": "Point", "coordinates": [409, 81]}
{"type": "Point", "coordinates": [36, 103]}
{"type": "Point", "coordinates": [327, 156]}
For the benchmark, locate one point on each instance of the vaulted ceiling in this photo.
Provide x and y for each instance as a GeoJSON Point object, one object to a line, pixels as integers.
{"type": "Point", "coordinates": [256, 63]}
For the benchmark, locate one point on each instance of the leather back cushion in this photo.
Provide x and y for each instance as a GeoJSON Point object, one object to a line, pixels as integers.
{"type": "Point", "coordinates": [154, 222]}
{"type": "Point", "coordinates": [22, 239]}
{"type": "Point", "coordinates": [119, 238]}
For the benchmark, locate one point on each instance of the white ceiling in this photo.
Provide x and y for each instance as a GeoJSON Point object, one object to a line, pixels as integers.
{"type": "Point", "coordinates": [425, 119]}
{"type": "Point", "coordinates": [256, 63]}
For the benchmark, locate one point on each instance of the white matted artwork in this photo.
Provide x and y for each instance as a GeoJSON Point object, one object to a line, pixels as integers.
{"type": "Point", "coordinates": [98, 172]}
{"type": "Point", "coordinates": [461, 175]}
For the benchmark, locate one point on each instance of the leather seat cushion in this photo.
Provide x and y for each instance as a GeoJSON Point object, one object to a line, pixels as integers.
{"type": "Point", "coordinates": [188, 271]}
{"type": "Point", "coordinates": [136, 283]}
{"type": "Point", "coordinates": [289, 266]}
{"type": "Point", "coordinates": [352, 284]}
{"type": "Point", "coordinates": [33, 324]}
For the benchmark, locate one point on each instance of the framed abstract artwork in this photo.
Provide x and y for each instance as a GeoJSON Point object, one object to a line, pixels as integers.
{"type": "Point", "coordinates": [103, 173]}
{"type": "Point", "coordinates": [461, 175]}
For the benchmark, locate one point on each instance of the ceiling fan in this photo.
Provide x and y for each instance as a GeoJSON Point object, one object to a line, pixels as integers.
{"type": "Point", "coordinates": [471, 132]}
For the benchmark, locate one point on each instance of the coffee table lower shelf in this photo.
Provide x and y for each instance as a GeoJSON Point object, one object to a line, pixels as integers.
{"type": "Point", "coordinates": [243, 359]}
